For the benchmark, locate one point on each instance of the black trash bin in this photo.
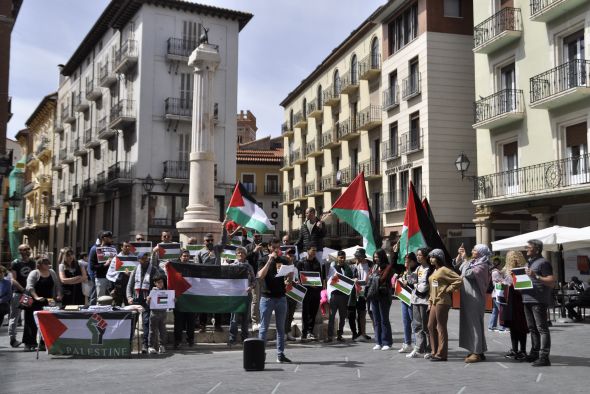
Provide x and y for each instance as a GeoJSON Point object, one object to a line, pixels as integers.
{"type": "Point", "coordinates": [254, 354]}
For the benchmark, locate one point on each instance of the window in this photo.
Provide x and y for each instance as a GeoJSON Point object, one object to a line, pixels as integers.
{"type": "Point", "coordinates": [319, 97]}
{"type": "Point", "coordinates": [510, 166]}
{"type": "Point", "coordinates": [576, 141]}
{"type": "Point", "coordinates": [272, 184]}
{"type": "Point", "coordinates": [184, 147]}
{"type": "Point", "coordinates": [249, 182]}
{"type": "Point", "coordinates": [304, 109]}
{"type": "Point", "coordinates": [452, 8]}
{"type": "Point", "coordinates": [190, 33]}
{"type": "Point", "coordinates": [353, 70]}
{"type": "Point", "coordinates": [393, 191]}
{"type": "Point", "coordinates": [404, 187]}
{"type": "Point", "coordinates": [336, 83]}
{"type": "Point", "coordinates": [186, 91]}
{"type": "Point", "coordinates": [375, 61]}
{"type": "Point", "coordinates": [414, 67]}
{"type": "Point", "coordinates": [376, 155]}
{"type": "Point", "coordinates": [417, 179]}
{"type": "Point", "coordinates": [414, 142]}
{"type": "Point", "coordinates": [403, 29]}
{"type": "Point", "coordinates": [508, 85]}
{"type": "Point", "coordinates": [393, 140]}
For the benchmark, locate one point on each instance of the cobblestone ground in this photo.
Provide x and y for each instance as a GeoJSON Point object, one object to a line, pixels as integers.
{"type": "Point", "coordinates": [348, 368]}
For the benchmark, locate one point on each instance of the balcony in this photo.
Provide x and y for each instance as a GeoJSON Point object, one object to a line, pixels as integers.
{"type": "Point", "coordinates": [331, 182]}
{"type": "Point", "coordinates": [349, 82]}
{"type": "Point", "coordinates": [58, 126]}
{"type": "Point", "coordinates": [331, 95]}
{"type": "Point", "coordinates": [176, 171]}
{"type": "Point", "coordinates": [44, 182]}
{"type": "Point", "coordinates": [499, 109]}
{"type": "Point", "coordinates": [347, 130]}
{"type": "Point", "coordinates": [68, 115]}
{"type": "Point", "coordinates": [80, 102]}
{"type": "Point", "coordinates": [299, 156]}
{"type": "Point", "coordinates": [548, 10]}
{"type": "Point", "coordinates": [106, 75]}
{"type": "Point", "coordinates": [178, 109]}
{"type": "Point", "coordinates": [371, 168]}
{"type": "Point", "coordinates": [369, 117]}
{"type": "Point", "coordinates": [100, 181]}
{"type": "Point", "coordinates": [77, 195]}
{"type": "Point", "coordinates": [313, 189]}
{"type": "Point", "coordinates": [93, 91]}
{"type": "Point", "coordinates": [499, 30]}
{"type": "Point", "coordinates": [87, 188]}
{"type": "Point", "coordinates": [179, 49]}
{"type": "Point", "coordinates": [411, 86]}
{"type": "Point", "coordinates": [313, 148]}
{"type": "Point", "coordinates": [288, 160]}
{"type": "Point", "coordinates": [34, 222]}
{"type": "Point", "coordinates": [411, 142]}
{"type": "Point", "coordinates": [64, 198]}
{"type": "Point", "coordinates": [315, 109]}
{"type": "Point", "coordinates": [65, 156]}
{"type": "Point", "coordinates": [391, 98]}
{"type": "Point", "coordinates": [561, 85]}
{"type": "Point", "coordinates": [272, 189]}
{"type": "Point", "coordinates": [300, 119]}
{"type": "Point", "coordinates": [56, 164]}
{"type": "Point", "coordinates": [125, 57]}
{"type": "Point", "coordinates": [390, 150]}
{"type": "Point", "coordinates": [120, 173]}
{"type": "Point", "coordinates": [347, 175]}
{"type": "Point", "coordinates": [122, 114]}
{"type": "Point", "coordinates": [298, 193]}
{"type": "Point", "coordinates": [287, 130]}
{"type": "Point", "coordinates": [286, 197]}
{"type": "Point", "coordinates": [553, 178]}
{"type": "Point", "coordinates": [330, 138]}
{"type": "Point", "coordinates": [43, 150]}
{"type": "Point", "coordinates": [370, 66]}
{"type": "Point", "coordinates": [28, 187]}
{"type": "Point", "coordinates": [90, 136]}
{"type": "Point", "coordinates": [79, 149]}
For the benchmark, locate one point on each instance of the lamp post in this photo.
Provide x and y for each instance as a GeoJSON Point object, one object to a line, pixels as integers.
{"type": "Point", "coordinates": [148, 185]}
{"type": "Point", "coordinates": [462, 164]}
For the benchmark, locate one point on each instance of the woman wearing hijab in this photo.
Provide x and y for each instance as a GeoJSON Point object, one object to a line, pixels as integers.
{"type": "Point", "coordinates": [476, 278]}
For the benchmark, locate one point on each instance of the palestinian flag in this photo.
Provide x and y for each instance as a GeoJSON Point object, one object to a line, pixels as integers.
{"type": "Point", "coordinates": [141, 247]}
{"type": "Point", "coordinates": [193, 249]}
{"type": "Point", "coordinates": [121, 264]}
{"type": "Point", "coordinates": [229, 252]}
{"type": "Point", "coordinates": [360, 286]}
{"type": "Point", "coordinates": [89, 334]}
{"type": "Point", "coordinates": [296, 291]}
{"type": "Point", "coordinates": [209, 288]}
{"type": "Point", "coordinates": [244, 210]}
{"type": "Point", "coordinates": [169, 251]}
{"type": "Point", "coordinates": [402, 293]}
{"type": "Point", "coordinates": [418, 230]}
{"type": "Point", "coordinates": [520, 279]}
{"type": "Point", "coordinates": [341, 283]}
{"type": "Point", "coordinates": [428, 210]}
{"type": "Point", "coordinates": [353, 208]}
{"type": "Point", "coordinates": [162, 299]}
{"type": "Point", "coordinates": [236, 240]}
{"type": "Point", "coordinates": [105, 253]}
{"type": "Point", "coordinates": [310, 278]}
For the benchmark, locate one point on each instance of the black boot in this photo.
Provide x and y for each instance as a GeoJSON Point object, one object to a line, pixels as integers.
{"type": "Point", "coordinates": [532, 357]}
{"type": "Point", "coordinates": [542, 361]}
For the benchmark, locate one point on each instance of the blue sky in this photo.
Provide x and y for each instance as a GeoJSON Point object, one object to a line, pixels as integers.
{"type": "Point", "coordinates": [280, 46]}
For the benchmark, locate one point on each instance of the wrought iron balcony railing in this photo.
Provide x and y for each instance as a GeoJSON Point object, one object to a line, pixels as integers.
{"type": "Point", "coordinates": [570, 75]}
{"type": "Point", "coordinates": [500, 103]}
{"type": "Point", "coordinates": [391, 97]}
{"type": "Point", "coordinates": [180, 47]}
{"type": "Point", "coordinates": [125, 56]}
{"type": "Point", "coordinates": [411, 86]}
{"type": "Point", "coordinates": [120, 170]}
{"type": "Point", "coordinates": [507, 19]}
{"type": "Point", "coordinates": [369, 117]}
{"type": "Point", "coordinates": [178, 107]}
{"type": "Point", "coordinates": [122, 112]}
{"type": "Point", "coordinates": [370, 65]}
{"type": "Point", "coordinates": [371, 168]}
{"type": "Point", "coordinates": [411, 141]}
{"type": "Point", "coordinates": [176, 169]}
{"type": "Point", "coordinates": [390, 150]}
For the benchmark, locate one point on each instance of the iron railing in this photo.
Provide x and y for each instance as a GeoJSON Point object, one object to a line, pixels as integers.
{"type": "Point", "coordinates": [128, 50]}
{"type": "Point", "coordinates": [178, 107]}
{"type": "Point", "coordinates": [329, 136]}
{"type": "Point", "coordinates": [332, 92]}
{"type": "Point", "coordinates": [371, 62]}
{"type": "Point", "coordinates": [120, 170]}
{"type": "Point", "coordinates": [312, 187]}
{"type": "Point", "coordinates": [330, 181]}
{"type": "Point", "coordinates": [411, 141]}
{"type": "Point", "coordinates": [181, 47]}
{"type": "Point", "coordinates": [346, 127]}
{"type": "Point", "coordinates": [369, 116]}
{"type": "Point", "coordinates": [507, 19]}
{"type": "Point", "coordinates": [101, 125]}
{"type": "Point", "coordinates": [567, 76]}
{"type": "Point", "coordinates": [100, 180]}
{"type": "Point", "coordinates": [299, 117]}
{"type": "Point", "coordinates": [104, 72]}
{"type": "Point", "coordinates": [411, 86]}
{"type": "Point", "coordinates": [285, 128]}
{"type": "Point", "coordinates": [176, 169]}
{"type": "Point", "coordinates": [88, 136]}
{"type": "Point", "coordinates": [370, 167]}
{"type": "Point", "coordinates": [391, 97]}
{"type": "Point", "coordinates": [349, 79]}
{"type": "Point", "coordinates": [539, 6]}
{"type": "Point", "coordinates": [123, 109]}
{"type": "Point", "coordinates": [543, 177]}
{"type": "Point", "coordinates": [313, 106]}
{"type": "Point", "coordinates": [313, 146]}
{"type": "Point", "coordinates": [500, 103]}
{"type": "Point", "coordinates": [390, 150]}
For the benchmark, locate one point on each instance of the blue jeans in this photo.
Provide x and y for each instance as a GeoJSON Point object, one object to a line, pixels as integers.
{"type": "Point", "coordinates": [494, 316]}
{"type": "Point", "coordinates": [381, 324]}
{"type": "Point", "coordinates": [242, 320]}
{"type": "Point", "coordinates": [279, 306]}
{"type": "Point", "coordinates": [407, 317]}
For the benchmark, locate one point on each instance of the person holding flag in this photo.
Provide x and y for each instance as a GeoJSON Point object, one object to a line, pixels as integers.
{"type": "Point", "coordinates": [291, 303]}
{"type": "Point", "coordinates": [241, 319]}
{"type": "Point", "coordinates": [408, 278]}
{"type": "Point", "coordinates": [338, 299]}
{"type": "Point", "coordinates": [379, 295]}
{"type": "Point", "coordinates": [312, 233]}
{"type": "Point", "coordinates": [357, 312]}
{"type": "Point", "coordinates": [311, 302]}
{"type": "Point", "coordinates": [120, 279]}
{"type": "Point", "coordinates": [184, 321]}
{"type": "Point", "coordinates": [512, 314]}
{"type": "Point", "coordinates": [419, 298]}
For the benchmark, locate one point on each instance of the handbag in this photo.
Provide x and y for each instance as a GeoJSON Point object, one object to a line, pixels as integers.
{"type": "Point", "coordinates": [25, 301]}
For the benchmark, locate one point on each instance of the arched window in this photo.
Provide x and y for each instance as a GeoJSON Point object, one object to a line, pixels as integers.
{"type": "Point", "coordinates": [320, 103]}
{"type": "Point", "coordinates": [375, 53]}
{"type": "Point", "coordinates": [304, 110]}
{"type": "Point", "coordinates": [336, 83]}
{"type": "Point", "coordinates": [353, 70]}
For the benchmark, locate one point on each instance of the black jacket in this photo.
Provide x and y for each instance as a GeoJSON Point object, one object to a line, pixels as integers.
{"type": "Point", "coordinates": [315, 238]}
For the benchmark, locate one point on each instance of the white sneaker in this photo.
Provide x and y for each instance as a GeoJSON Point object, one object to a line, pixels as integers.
{"type": "Point", "coordinates": [162, 349]}
{"type": "Point", "coordinates": [414, 354]}
{"type": "Point", "coordinates": [377, 347]}
{"type": "Point", "coordinates": [405, 348]}
{"type": "Point", "coordinates": [152, 351]}
{"type": "Point", "coordinates": [428, 356]}
{"type": "Point", "coordinates": [386, 347]}
{"type": "Point", "coordinates": [255, 327]}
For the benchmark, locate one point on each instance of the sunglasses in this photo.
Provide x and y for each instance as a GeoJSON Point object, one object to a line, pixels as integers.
{"type": "Point", "coordinates": [208, 240]}
{"type": "Point", "coordinates": [139, 239]}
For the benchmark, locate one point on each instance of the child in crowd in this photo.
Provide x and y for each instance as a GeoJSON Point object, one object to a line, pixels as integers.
{"type": "Point", "coordinates": [157, 337]}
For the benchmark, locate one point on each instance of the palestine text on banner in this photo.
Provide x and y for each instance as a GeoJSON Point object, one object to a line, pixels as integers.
{"type": "Point", "coordinates": [521, 280]}
{"type": "Point", "coordinates": [402, 293]}
{"type": "Point", "coordinates": [193, 249]}
{"type": "Point", "coordinates": [89, 334]}
{"type": "Point", "coordinates": [341, 283]}
{"type": "Point", "coordinates": [162, 299]}
{"type": "Point", "coordinates": [121, 264]}
{"type": "Point", "coordinates": [105, 253]}
{"type": "Point", "coordinates": [169, 251]}
{"type": "Point", "coordinates": [209, 288]}
{"type": "Point", "coordinates": [245, 211]}
{"type": "Point", "coordinates": [296, 292]}
{"type": "Point", "coordinates": [310, 278]}
{"type": "Point", "coordinates": [141, 247]}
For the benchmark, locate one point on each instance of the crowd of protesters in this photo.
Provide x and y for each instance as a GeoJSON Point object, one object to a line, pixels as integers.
{"type": "Point", "coordinates": [31, 284]}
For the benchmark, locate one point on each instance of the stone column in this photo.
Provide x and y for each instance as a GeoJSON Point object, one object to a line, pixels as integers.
{"type": "Point", "coordinates": [200, 216]}
{"type": "Point", "coordinates": [483, 225]}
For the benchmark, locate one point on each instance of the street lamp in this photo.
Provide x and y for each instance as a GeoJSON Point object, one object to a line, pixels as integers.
{"type": "Point", "coordinates": [148, 185]}
{"type": "Point", "coordinates": [462, 164]}
{"type": "Point", "coordinates": [298, 210]}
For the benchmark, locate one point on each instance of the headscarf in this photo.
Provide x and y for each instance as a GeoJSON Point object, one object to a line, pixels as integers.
{"type": "Point", "coordinates": [483, 250]}
{"type": "Point", "coordinates": [480, 267]}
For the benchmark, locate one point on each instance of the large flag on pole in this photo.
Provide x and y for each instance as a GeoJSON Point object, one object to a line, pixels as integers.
{"type": "Point", "coordinates": [428, 210]}
{"type": "Point", "coordinates": [353, 208]}
{"type": "Point", "coordinates": [244, 210]}
{"type": "Point", "coordinates": [418, 230]}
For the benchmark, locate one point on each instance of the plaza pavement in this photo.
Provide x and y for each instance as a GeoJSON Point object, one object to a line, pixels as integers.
{"type": "Point", "coordinates": [316, 368]}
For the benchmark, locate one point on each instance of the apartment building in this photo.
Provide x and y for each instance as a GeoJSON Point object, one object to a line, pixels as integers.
{"type": "Point", "coordinates": [392, 100]}
{"type": "Point", "coordinates": [532, 115]}
{"type": "Point", "coordinates": [13, 148]}
{"type": "Point", "coordinates": [123, 131]}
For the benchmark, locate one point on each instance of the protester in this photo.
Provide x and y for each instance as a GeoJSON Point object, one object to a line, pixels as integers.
{"type": "Point", "coordinates": [512, 314]}
{"type": "Point", "coordinates": [357, 304]}
{"type": "Point", "coordinates": [19, 269]}
{"type": "Point", "coordinates": [536, 301]}
{"type": "Point", "coordinates": [380, 299]}
{"type": "Point", "coordinates": [338, 300]}
{"type": "Point", "coordinates": [71, 276]}
{"type": "Point", "coordinates": [99, 269]}
{"type": "Point", "coordinates": [312, 233]}
{"type": "Point", "coordinates": [291, 303]}
{"type": "Point", "coordinates": [157, 330]}
{"type": "Point", "coordinates": [184, 321]}
{"type": "Point", "coordinates": [273, 298]}
{"type": "Point", "coordinates": [408, 279]}
{"type": "Point", "coordinates": [419, 298]}
{"type": "Point", "coordinates": [140, 283]}
{"type": "Point", "coordinates": [476, 278]}
{"type": "Point", "coordinates": [497, 278]}
{"type": "Point", "coordinates": [311, 301]}
{"type": "Point", "coordinates": [119, 291]}
{"type": "Point", "coordinates": [139, 237]}
{"type": "Point", "coordinates": [89, 284]}
{"type": "Point", "coordinates": [242, 319]}
{"type": "Point", "coordinates": [257, 255]}
{"type": "Point", "coordinates": [443, 282]}
{"type": "Point", "coordinates": [211, 255]}
{"type": "Point", "coordinates": [285, 240]}
{"type": "Point", "coordinates": [5, 293]}
{"type": "Point", "coordinates": [44, 286]}
{"type": "Point", "coordinates": [236, 232]}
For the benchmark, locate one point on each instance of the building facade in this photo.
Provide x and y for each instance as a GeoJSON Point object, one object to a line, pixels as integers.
{"type": "Point", "coordinates": [124, 120]}
{"type": "Point", "coordinates": [392, 100]}
{"type": "Point", "coordinates": [13, 148]}
{"type": "Point", "coordinates": [532, 116]}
